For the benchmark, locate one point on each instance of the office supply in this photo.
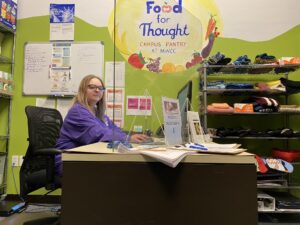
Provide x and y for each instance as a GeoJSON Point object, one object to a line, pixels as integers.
{"type": "Point", "coordinates": [9, 207]}
{"type": "Point", "coordinates": [211, 148]}
{"type": "Point", "coordinates": [56, 68]}
{"type": "Point", "coordinates": [169, 157]}
{"type": "Point", "coordinates": [196, 146]}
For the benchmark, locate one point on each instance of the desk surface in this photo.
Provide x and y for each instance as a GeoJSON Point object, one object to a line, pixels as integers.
{"type": "Point", "coordinates": [99, 152]}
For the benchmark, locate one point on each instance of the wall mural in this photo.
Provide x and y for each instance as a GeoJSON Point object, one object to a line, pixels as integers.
{"type": "Point", "coordinates": [165, 36]}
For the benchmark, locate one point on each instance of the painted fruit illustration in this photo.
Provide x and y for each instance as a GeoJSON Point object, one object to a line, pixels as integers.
{"type": "Point", "coordinates": [168, 68]}
{"type": "Point", "coordinates": [153, 65]}
{"type": "Point", "coordinates": [197, 58]}
{"type": "Point", "coordinates": [137, 60]}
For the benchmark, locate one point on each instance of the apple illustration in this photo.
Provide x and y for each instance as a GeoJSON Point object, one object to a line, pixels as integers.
{"type": "Point", "coordinates": [137, 60]}
{"type": "Point", "coordinates": [166, 8]}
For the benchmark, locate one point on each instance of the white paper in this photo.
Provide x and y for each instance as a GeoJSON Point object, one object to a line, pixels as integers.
{"type": "Point", "coordinates": [169, 157]}
{"type": "Point", "coordinates": [172, 121]}
{"type": "Point", "coordinates": [62, 22]}
{"type": "Point", "coordinates": [115, 95]}
{"type": "Point", "coordinates": [60, 80]}
{"type": "Point", "coordinates": [116, 113]}
{"type": "Point", "coordinates": [139, 106]}
{"type": "Point", "coordinates": [162, 154]}
{"type": "Point", "coordinates": [63, 106]}
{"type": "Point", "coordinates": [196, 131]}
{"type": "Point", "coordinates": [45, 102]}
{"type": "Point", "coordinates": [118, 72]}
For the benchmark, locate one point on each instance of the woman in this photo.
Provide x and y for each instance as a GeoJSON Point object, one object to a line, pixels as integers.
{"type": "Point", "coordinates": [86, 122]}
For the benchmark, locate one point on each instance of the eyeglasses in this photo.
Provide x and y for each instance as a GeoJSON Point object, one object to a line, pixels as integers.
{"type": "Point", "coordinates": [95, 87]}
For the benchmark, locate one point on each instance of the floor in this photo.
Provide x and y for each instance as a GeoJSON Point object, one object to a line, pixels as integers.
{"type": "Point", "coordinates": [32, 212]}
{"type": "Point", "coordinates": [42, 211]}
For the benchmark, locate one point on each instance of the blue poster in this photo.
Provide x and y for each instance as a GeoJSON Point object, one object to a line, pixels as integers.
{"type": "Point", "coordinates": [62, 13]}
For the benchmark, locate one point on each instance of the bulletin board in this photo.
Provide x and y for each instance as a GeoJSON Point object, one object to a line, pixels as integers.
{"type": "Point", "coordinates": [56, 68]}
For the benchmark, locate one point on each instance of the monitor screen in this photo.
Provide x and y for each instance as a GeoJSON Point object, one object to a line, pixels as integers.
{"type": "Point", "coordinates": [185, 98]}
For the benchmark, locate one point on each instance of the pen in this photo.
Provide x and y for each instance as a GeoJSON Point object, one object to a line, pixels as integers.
{"type": "Point", "coordinates": [194, 146]}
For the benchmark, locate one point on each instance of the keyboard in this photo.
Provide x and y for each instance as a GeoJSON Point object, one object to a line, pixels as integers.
{"type": "Point", "coordinates": [153, 141]}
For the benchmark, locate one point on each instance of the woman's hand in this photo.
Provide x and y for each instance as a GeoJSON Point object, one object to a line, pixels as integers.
{"type": "Point", "coordinates": [137, 138]}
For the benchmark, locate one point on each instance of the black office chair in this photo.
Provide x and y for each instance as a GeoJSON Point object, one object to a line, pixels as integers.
{"type": "Point", "coordinates": [38, 168]}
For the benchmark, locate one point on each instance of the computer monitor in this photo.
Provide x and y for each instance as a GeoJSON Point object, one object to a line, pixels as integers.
{"type": "Point", "coordinates": [185, 98]}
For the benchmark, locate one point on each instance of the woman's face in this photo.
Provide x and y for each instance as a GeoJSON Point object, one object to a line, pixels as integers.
{"type": "Point", "coordinates": [94, 92]}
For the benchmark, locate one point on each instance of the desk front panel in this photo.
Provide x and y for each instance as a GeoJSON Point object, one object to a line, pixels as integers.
{"type": "Point", "coordinates": [141, 193]}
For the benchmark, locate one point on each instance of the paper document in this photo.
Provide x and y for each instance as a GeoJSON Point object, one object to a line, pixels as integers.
{"type": "Point", "coordinates": [223, 146]}
{"type": "Point", "coordinates": [166, 156]}
{"type": "Point", "coordinates": [169, 157]}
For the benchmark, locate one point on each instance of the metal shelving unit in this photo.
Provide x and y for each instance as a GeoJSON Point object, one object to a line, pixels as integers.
{"type": "Point", "coordinates": [237, 73]}
{"type": "Point", "coordinates": [6, 100]}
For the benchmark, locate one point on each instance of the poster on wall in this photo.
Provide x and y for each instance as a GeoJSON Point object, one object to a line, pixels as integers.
{"type": "Point", "coordinates": [115, 74]}
{"type": "Point", "coordinates": [139, 106]}
{"type": "Point", "coordinates": [165, 36]}
{"type": "Point", "coordinates": [62, 22]}
{"type": "Point", "coordinates": [115, 98]}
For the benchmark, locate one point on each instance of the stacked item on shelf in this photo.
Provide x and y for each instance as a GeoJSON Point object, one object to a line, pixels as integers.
{"type": "Point", "coordinates": [218, 60]}
{"type": "Point", "coordinates": [289, 155]}
{"type": "Point", "coordinates": [274, 174]}
{"type": "Point", "coordinates": [8, 15]}
{"type": "Point", "coordinates": [219, 108]}
{"type": "Point", "coordinates": [271, 85]}
{"type": "Point", "coordinates": [246, 132]}
{"type": "Point", "coordinates": [6, 83]}
{"type": "Point", "coordinates": [262, 104]}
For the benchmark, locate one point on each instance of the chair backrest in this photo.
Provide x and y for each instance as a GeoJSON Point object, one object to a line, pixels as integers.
{"type": "Point", "coordinates": [43, 126]}
{"type": "Point", "coordinates": [38, 170]}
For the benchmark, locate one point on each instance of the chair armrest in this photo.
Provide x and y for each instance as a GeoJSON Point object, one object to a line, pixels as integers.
{"type": "Point", "coordinates": [47, 151]}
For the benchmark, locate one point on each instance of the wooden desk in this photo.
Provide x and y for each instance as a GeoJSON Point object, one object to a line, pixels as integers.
{"type": "Point", "coordinates": [113, 189]}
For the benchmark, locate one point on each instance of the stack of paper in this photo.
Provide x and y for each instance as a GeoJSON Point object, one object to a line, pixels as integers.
{"type": "Point", "coordinates": [167, 156]}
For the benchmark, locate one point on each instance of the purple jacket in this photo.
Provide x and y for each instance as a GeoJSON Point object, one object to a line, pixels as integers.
{"type": "Point", "coordinates": [81, 127]}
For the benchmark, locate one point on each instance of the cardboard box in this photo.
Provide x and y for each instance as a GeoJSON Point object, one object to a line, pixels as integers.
{"type": "Point", "coordinates": [8, 15]}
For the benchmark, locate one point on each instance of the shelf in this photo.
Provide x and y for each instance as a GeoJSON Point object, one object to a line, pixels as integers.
{"type": "Point", "coordinates": [6, 60]}
{"type": "Point", "coordinates": [2, 186]}
{"type": "Point", "coordinates": [249, 69]}
{"type": "Point", "coordinates": [4, 137]}
{"type": "Point", "coordinates": [290, 186]}
{"type": "Point", "coordinates": [243, 91]}
{"type": "Point", "coordinates": [5, 95]}
{"type": "Point", "coordinates": [282, 211]}
{"type": "Point", "coordinates": [6, 29]}
{"type": "Point", "coordinates": [254, 113]}
{"type": "Point", "coordinates": [261, 138]}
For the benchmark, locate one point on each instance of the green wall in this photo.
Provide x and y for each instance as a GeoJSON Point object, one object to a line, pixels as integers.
{"type": "Point", "coordinates": [37, 30]}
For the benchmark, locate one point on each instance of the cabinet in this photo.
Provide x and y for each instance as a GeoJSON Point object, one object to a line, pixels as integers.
{"type": "Point", "coordinates": [259, 132]}
{"type": "Point", "coordinates": [7, 37]}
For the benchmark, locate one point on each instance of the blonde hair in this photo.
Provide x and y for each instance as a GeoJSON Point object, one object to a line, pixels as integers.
{"type": "Point", "coordinates": [81, 97]}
